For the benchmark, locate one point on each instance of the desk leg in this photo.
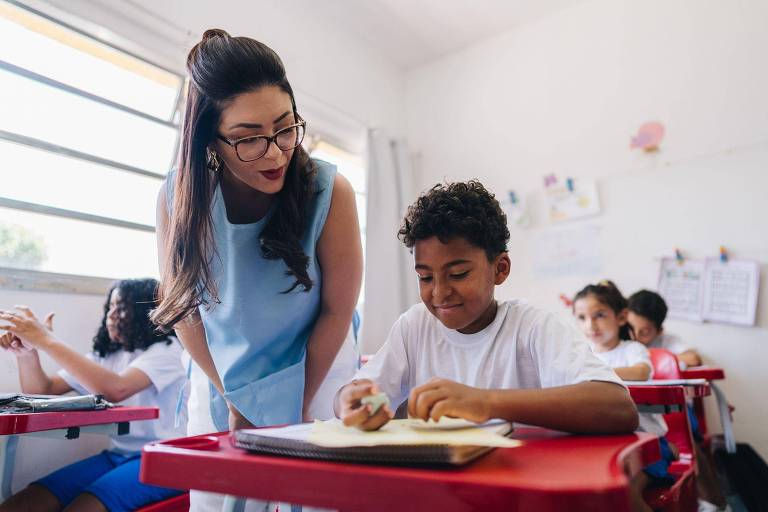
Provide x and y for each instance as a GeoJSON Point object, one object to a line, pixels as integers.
{"type": "Point", "coordinates": [233, 504]}
{"type": "Point", "coordinates": [725, 418]}
{"type": "Point", "coordinates": [7, 458]}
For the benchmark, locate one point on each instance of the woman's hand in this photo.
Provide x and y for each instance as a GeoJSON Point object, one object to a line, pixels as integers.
{"type": "Point", "coordinates": [442, 397]}
{"type": "Point", "coordinates": [237, 420]}
{"type": "Point", "coordinates": [27, 331]}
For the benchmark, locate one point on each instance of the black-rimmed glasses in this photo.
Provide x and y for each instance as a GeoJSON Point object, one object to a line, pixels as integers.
{"type": "Point", "coordinates": [252, 148]}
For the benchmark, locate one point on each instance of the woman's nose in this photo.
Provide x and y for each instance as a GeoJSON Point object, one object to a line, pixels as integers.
{"type": "Point", "coordinates": [273, 151]}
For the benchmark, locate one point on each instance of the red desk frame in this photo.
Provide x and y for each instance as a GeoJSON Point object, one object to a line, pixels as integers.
{"type": "Point", "coordinates": [71, 423]}
{"type": "Point", "coordinates": [670, 400]}
{"type": "Point", "coordinates": [550, 471]}
{"type": "Point", "coordinates": [711, 373]}
{"type": "Point", "coordinates": [14, 424]}
{"type": "Point", "coordinates": [666, 398]}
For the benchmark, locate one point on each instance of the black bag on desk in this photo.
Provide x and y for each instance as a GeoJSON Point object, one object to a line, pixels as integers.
{"type": "Point", "coordinates": [20, 403]}
{"type": "Point", "coordinates": [747, 475]}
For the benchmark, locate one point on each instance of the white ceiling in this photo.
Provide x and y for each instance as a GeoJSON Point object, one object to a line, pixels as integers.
{"type": "Point", "coordinates": [407, 33]}
{"type": "Point", "coordinates": [413, 32]}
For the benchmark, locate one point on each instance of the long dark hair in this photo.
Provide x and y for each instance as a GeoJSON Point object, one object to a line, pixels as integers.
{"type": "Point", "coordinates": [606, 292]}
{"type": "Point", "coordinates": [137, 299]}
{"type": "Point", "coordinates": [220, 67]}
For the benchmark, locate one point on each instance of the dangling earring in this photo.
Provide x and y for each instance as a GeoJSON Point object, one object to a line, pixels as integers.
{"type": "Point", "coordinates": [214, 164]}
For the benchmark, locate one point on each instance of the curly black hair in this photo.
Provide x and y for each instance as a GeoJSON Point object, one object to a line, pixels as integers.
{"type": "Point", "coordinates": [649, 304]}
{"type": "Point", "coordinates": [137, 299]}
{"type": "Point", "coordinates": [457, 210]}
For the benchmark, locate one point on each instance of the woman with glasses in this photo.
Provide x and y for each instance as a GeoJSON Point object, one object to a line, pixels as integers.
{"type": "Point", "coordinates": [260, 251]}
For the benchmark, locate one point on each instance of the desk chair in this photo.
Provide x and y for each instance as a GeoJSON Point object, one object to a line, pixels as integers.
{"type": "Point", "coordinates": [178, 503]}
{"type": "Point", "coordinates": [665, 364]}
{"type": "Point", "coordinates": [681, 496]}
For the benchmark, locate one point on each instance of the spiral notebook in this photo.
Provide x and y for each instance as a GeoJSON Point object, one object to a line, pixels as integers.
{"type": "Point", "coordinates": [400, 442]}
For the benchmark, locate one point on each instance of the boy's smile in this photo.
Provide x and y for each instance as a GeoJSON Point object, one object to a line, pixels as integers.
{"type": "Point", "coordinates": [456, 282]}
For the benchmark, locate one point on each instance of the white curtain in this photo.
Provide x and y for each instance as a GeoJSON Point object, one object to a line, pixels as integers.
{"type": "Point", "coordinates": [390, 282]}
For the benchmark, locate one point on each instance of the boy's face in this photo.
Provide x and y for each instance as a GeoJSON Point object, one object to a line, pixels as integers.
{"type": "Point", "coordinates": [456, 282]}
{"type": "Point", "coordinates": [643, 329]}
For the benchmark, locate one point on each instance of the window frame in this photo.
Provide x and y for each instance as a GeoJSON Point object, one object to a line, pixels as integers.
{"type": "Point", "coordinates": [37, 280]}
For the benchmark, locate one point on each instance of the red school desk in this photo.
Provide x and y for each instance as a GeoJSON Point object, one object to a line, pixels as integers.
{"type": "Point", "coordinates": [550, 471]}
{"type": "Point", "coordinates": [711, 373]}
{"type": "Point", "coordinates": [667, 398]}
{"type": "Point", "coordinates": [64, 425]}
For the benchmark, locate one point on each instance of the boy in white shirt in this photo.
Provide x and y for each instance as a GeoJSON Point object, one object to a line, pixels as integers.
{"type": "Point", "coordinates": [647, 312]}
{"type": "Point", "coordinates": [462, 354]}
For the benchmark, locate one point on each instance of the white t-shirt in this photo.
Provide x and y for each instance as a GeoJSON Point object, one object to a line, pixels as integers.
{"type": "Point", "coordinates": [630, 353]}
{"type": "Point", "coordinates": [669, 342]}
{"type": "Point", "coordinates": [523, 347]}
{"type": "Point", "coordinates": [162, 364]}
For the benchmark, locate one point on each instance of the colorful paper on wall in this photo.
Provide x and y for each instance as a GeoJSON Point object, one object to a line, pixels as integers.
{"type": "Point", "coordinates": [574, 199]}
{"type": "Point", "coordinates": [562, 252]}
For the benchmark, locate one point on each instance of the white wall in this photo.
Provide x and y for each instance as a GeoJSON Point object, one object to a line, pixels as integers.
{"type": "Point", "coordinates": [564, 95]}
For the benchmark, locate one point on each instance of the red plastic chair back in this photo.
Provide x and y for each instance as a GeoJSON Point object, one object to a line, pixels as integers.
{"type": "Point", "coordinates": [665, 364]}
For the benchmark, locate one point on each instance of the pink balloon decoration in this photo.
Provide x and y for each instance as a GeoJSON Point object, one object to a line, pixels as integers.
{"type": "Point", "coordinates": [648, 137]}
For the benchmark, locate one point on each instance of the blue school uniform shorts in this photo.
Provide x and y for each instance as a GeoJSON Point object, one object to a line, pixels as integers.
{"type": "Point", "coordinates": [111, 476]}
{"type": "Point", "coordinates": [659, 470]}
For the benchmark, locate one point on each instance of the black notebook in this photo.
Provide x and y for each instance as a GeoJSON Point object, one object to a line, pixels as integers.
{"type": "Point", "coordinates": [431, 446]}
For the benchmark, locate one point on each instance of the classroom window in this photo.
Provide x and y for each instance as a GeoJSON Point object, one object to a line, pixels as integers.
{"type": "Point", "coordinates": [352, 167]}
{"type": "Point", "coordinates": [87, 134]}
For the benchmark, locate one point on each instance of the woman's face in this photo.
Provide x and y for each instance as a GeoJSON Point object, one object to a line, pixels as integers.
{"type": "Point", "coordinates": [113, 316]}
{"type": "Point", "coordinates": [260, 112]}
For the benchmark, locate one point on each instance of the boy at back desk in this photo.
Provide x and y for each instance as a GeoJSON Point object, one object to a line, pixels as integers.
{"type": "Point", "coordinates": [463, 354]}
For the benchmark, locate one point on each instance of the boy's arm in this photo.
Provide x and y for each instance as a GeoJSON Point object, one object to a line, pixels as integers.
{"type": "Point", "coordinates": [387, 372]}
{"type": "Point", "coordinates": [587, 407]}
{"type": "Point", "coordinates": [690, 357]}
{"type": "Point", "coordinates": [639, 371]}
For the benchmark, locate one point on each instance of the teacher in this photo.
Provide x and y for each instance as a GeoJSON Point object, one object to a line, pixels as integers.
{"type": "Point", "coordinates": [259, 247]}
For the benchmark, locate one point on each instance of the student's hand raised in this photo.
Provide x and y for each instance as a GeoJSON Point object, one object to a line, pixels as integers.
{"type": "Point", "coordinates": [26, 328]}
{"type": "Point", "coordinates": [13, 344]}
{"type": "Point", "coordinates": [442, 397]}
{"type": "Point", "coordinates": [355, 414]}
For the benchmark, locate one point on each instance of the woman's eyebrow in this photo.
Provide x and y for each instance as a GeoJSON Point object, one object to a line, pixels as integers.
{"type": "Point", "coordinates": [257, 125]}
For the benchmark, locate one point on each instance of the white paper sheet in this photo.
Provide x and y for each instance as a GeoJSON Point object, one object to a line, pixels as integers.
{"type": "Point", "coordinates": [681, 285]}
{"type": "Point", "coordinates": [730, 291]}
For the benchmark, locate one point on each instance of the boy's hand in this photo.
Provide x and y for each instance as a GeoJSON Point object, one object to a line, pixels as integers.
{"type": "Point", "coordinates": [442, 397]}
{"type": "Point", "coordinates": [355, 414]}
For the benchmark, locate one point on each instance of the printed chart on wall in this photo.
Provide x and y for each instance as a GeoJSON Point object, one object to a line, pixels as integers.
{"type": "Point", "coordinates": [730, 291]}
{"type": "Point", "coordinates": [681, 285]}
{"type": "Point", "coordinates": [711, 290]}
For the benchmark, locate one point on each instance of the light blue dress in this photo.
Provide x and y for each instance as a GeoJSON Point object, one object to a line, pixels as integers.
{"type": "Point", "coordinates": [257, 335]}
